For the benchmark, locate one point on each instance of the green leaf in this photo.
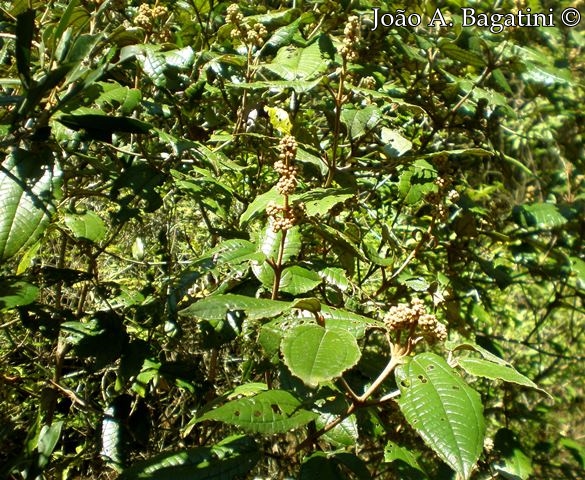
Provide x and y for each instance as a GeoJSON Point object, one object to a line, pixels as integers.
{"type": "Point", "coordinates": [492, 367]}
{"type": "Point", "coordinates": [279, 119]}
{"type": "Point", "coordinates": [316, 354]}
{"type": "Point", "coordinates": [88, 226]}
{"type": "Point", "coordinates": [578, 270]}
{"type": "Point", "coordinates": [395, 145]}
{"type": "Point", "coordinates": [292, 63]}
{"type": "Point", "coordinates": [233, 457]}
{"type": "Point", "coordinates": [258, 206]}
{"type": "Point", "coordinates": [116, 95]}
{"type": "Point", "coordinates": [48, 438]}
{"type": "Point", "coordinates": [65, 20]}
{"type": "Point", "coordinates": [299, 86]}
{"type": "Point", "coordinates": [216, 307]}
{"type": "Point", "coordinates": [416, 181]}
{"type": "Point", "coordinates": [298, 280]}
{"type": "Point", "coordinates": [16, 293]}
{"type": "Point", "coordinates": [114, 435]}
{"type": "Point", "coordinates": [393, 452]}
{"type": "Point", "coordinates": [27, 182]}
{"type": "Point", "coordinates": [104, 123]}
{"type": "Point", "coordinates": [487, 369]}
{"type": "Point", "coordinates": [344, 434]}
{"type": "Point", "coordinates": [540, 215]}
{"type": "Point", "coordinates": [353, 323]}
{"type": "Point", "coordinates": [268, 412]}
{"type": "Point", "coordinates": [443, 409]}
{"type": "Point", "coordinates": [335, 276]}
{"type": "Point", "coordinates": [359, 121]}
{"type": "Point", "coordinates": [342, 242]}
{"type": "Point", "coordinates": [515, 464]}
{"type": "Point", "coordinates": [464, 56]}
{"type": "Point", "coordinates": [319, 201]}
{"type": "Point", "coordinates": [281, 37]}
{"type": "Point", "coordinates": [269, 245]}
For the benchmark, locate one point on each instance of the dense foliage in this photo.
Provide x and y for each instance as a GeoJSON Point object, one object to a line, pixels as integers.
{"type": "Point", "coordinates": [264, 239]}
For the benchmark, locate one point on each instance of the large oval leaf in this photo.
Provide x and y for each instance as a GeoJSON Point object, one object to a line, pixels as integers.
{"type": "Point", "coordinates": [26, 198]}
{"type": "Point", "coordinates": [316, 354]}
{"type": "Point", "coordinates": [443, 409]}
{"type": "Point", "coordinates": [272, 411]}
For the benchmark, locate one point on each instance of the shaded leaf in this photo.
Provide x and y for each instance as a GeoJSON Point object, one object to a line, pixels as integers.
{"type": "Point", "coordinates": [466, 57]}
{"type": "Point", "coordinates": [25, 24]}
{"type": "Point", "coordinates": [540, 215]}
{"type": "Point", "coordinates": [232, 457]}
{"type": "Point", "coordinates": [269, 412]}
{"type": "Point", "coordinates": [16, 293]}
{"type": "Point", "coordinates": [515, 464]}
{"type": "Point", "coordinates": [393, 452]}
{"type": "Point", "coordinates": [360, 121]}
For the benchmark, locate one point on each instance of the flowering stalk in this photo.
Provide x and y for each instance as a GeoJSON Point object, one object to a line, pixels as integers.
{"type": "Point", "coordinates": [283, 218]}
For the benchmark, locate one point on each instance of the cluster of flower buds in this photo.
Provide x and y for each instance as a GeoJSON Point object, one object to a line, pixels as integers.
{"type": "Point", "coordinates": [288, 172]}
{"type": "Point", "coordinates": [410, 317]}
{"type": "Point", "coordinates": [351, 39]}
{"type": "Point", "coordinates": [282, 218]}
{"type": "Point", "coordinates": [254, 35]}
{"type": "Point", "coordinates": [291, 214]}
{"type": "Point", "coordinates": [148, 18]}
{"type": "Point", "coordinates": [368, 83]}
{"type": "Point", "coordinates": [147, 15]}
{"type": "Point", "coordinates": [438, 198]}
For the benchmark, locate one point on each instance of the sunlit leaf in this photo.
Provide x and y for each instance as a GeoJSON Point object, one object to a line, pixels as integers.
{"type": "Point", "coordinates": [317, 355]}
{"type": "Point", "coordinates": [443, 409]}
{"type": "Point", "coordinates": [216, 307]}
{"type": "Point", "coordinates": [27, 183]}
{"type": "Point", "coordinates": [88, 225]}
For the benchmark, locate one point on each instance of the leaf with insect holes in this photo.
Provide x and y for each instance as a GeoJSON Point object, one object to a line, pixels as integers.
{"type": "Point", "coordinates": [271, 411]}
{"type": "Point", "coordinates": [445, 411]}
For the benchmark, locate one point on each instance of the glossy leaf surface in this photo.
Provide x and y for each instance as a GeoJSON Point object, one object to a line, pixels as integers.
{"type": "Point", "coordinates": [445, 411]}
